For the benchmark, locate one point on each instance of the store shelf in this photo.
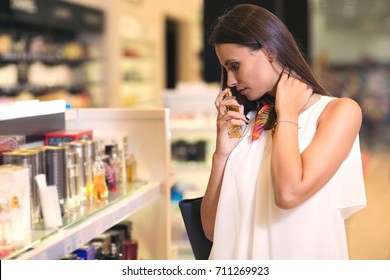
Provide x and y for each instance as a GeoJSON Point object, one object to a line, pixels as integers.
{"type": "Point", "coordinates": [76, 232]}
{"type": "Point", "coordinates": [46, 59]}
{"type": "Point", "coordinates": [146, 203]}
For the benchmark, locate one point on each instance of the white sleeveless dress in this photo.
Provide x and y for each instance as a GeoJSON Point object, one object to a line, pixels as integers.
{"type": "Point", "coordinates": [250, 226]}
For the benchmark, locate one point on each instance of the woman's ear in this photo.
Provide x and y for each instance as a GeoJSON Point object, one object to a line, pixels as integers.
{"type": "Point", "coordinates": [268, 54]}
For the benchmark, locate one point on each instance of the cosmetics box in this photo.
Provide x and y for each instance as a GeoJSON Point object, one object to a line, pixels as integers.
{"type": "Point", "coordinates": [105, 239]}
{"type": "Point", "coordinates": [117, 236]}
{"type": "Point", "coordinates": [9, 143]}
{"type": "Point", "coordinates": [56, 137]}
{"type": "Point", "coordinates": [124, 226]}
{"type": "Point", "coordinates": [15, 217]}
{"type": "Point", "coordinates": [86, 252]}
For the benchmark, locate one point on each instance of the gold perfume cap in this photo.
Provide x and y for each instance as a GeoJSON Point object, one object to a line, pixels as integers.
{"type": "Point", "coordinates": [229, 92]}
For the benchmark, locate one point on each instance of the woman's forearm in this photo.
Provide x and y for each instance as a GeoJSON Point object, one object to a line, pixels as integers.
{"type": "Point", "coordinates": [211, 196]}
{"type": "Point", "coordinates": [286, 162]}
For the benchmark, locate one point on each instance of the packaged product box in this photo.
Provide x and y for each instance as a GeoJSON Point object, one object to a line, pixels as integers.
{"type": "Point", "coordinates": [9, 143]}
{"type": "Point", "coordinates": [15, 217]}
{"type": "Point", "coordinates": [54, 138]}
{"type": "Point", "coordinates": [85, 252]}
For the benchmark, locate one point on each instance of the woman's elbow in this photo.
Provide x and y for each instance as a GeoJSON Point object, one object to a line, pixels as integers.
{"type": "Point", "coordinates": [285, 200]}
{"type": "Point", "coordinates": [208, 232]}
{"type": "Point", "coordinates": [207, 225]}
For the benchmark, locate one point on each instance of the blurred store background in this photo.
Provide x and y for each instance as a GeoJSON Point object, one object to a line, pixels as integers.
{"type": "Point", "coordinates": [149, 53]}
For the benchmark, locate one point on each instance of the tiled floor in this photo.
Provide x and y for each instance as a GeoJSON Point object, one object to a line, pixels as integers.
{"type": "Point", "coordinates": [369, 229]}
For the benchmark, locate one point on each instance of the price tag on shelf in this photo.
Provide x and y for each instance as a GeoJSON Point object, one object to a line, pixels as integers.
{"type": "Point", "coordinates": [98, 227]}
{"type": "Point", "coordinates": [115, 217]}
{"type": "Point", "coordinates": [42, 256]}
{"type": "Point", "coordinates": [79, 240]}
{"type": "Point", "coordinates": [67, 246]}
{"type": "Point", "coordinates": [123, 213]}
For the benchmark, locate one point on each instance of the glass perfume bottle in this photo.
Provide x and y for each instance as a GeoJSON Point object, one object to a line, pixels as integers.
{"type": "Point", "coordinates": [89, 186]}
{"type": "Point", "coordinates": [235, 131]}
{"type": "Point", "coordinates": [113, 255]}
{"type": "Point", "coordinates": [91, 148]}
{"type": "Point", "coordinates": [130, 168]}
{"type": "Point", "coordinates": [100, 190]}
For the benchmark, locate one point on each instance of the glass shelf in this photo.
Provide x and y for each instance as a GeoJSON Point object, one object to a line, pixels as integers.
{"type": "Point", "coordinates": [84, 223]}
{"type": "Point", "coordinates": [46, 59]}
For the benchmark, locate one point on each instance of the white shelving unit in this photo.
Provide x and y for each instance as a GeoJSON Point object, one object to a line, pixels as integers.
{"type": "Point", "coordinates": [148, 137]}
{"type": "Point", "coordinates": [147, 205]}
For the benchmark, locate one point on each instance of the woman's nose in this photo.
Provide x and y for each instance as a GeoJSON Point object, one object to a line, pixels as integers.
{"type": "Point", "coordinates": [231, 80]}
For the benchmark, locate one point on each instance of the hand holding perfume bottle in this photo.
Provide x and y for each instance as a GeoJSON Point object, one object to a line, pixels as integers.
{"type": "Point", "coordinates": [235, 131]}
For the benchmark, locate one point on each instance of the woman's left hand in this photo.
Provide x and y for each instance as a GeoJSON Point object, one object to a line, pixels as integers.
{"type": "Point", "coordinates": [292, 95]}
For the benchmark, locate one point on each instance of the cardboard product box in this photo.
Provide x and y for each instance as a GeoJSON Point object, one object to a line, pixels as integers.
{"type": "Point", "coordinates": [10, 143]}
{"type": "Point", "coordinates": [56, 137]}
{"type": "Point", "coordinates": [86, 252]}
{"type": "Point", "coordinates": [15, 216]}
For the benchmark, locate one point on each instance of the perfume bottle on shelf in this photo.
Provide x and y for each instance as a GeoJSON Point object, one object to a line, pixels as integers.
{"type": "Point", "coordinates": [112, 167]}
{"type": "Point", "coordinates": [113, 255]}
{"type": "Point", "coordinates": [116, 157]}
{"type": "Point", "coordinates": [91, 148]}
{"type": "Point", "coordinates": [100, 190]}
{"type": "Point", "coordinates": [131, 169]}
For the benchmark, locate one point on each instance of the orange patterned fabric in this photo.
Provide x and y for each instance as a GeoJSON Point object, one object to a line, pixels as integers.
{"type": "Point", "coordinates": [261, 120]}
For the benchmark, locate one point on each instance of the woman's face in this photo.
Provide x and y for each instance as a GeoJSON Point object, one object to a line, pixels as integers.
{"type": "Point", "coordinates": [251, 72]}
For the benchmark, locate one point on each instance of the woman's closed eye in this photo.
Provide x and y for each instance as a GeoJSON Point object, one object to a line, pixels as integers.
{"type": "Point", "coordinates": [233, 66]}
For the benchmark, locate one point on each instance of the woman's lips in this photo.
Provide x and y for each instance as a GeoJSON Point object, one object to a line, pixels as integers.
{"type": "Point", "coordinates": [242, 91]}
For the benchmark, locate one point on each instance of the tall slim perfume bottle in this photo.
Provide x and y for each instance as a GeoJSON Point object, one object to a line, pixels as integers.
{"type": "Point", "coordinates": [235, 131]}
{"type": "Point", "coordinates": [100, 190]}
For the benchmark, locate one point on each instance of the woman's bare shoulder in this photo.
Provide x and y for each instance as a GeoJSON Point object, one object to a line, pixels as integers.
{"type": "Point", "coordinates": [343, 109]}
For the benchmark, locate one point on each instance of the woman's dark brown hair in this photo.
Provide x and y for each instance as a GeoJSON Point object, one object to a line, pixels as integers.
{"type": "Point", "coordinates": [255, 27]}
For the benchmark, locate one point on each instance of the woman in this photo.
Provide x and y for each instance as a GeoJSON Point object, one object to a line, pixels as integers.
{"type": "Point", "coordinates": [281, 193]}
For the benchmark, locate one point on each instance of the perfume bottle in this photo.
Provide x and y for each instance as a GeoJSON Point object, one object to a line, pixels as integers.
{"type": "Point", "coordinates": [91, 147]}
{"type": "Point", "coordinates": [235, 130]}
{"type": "Point", "coordinates": [115, 159]}
{"type": "Point", "coordinates": [130, 168]}
{"type": "Point", "coordinates": [100, 190]}
{"type": "Point", "coordinates": [113, 255]}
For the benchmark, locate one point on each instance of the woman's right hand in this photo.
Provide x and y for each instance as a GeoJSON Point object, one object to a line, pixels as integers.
{"type": "Point", "coordinates": [225, 120]}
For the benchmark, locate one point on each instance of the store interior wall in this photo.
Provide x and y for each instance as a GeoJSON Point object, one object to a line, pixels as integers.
{"type": "Point", "coordinates": [350, 51]}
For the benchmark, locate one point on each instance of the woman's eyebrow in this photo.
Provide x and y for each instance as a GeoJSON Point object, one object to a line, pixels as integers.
{"type": "Point", "coordinates": [228, 61]}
